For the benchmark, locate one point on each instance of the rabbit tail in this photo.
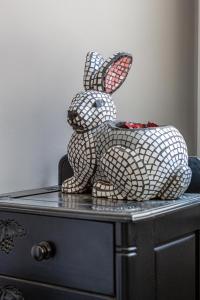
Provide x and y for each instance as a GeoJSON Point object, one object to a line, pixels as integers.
{"type": "Point", "coordinates": [177, 183]}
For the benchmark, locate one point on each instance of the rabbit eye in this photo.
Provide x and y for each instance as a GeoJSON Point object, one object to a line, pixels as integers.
{"type": "Point", "coordinates": [98, 103]}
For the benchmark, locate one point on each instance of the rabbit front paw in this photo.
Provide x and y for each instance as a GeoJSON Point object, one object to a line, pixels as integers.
{"type": "Point", "coordinates": [72, 185]}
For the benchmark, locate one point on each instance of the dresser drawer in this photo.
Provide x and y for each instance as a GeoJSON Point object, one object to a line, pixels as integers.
{"type": "Point", "coordinates": [14, 289]}
{"type": "Point", "coordinates": [83, 251]}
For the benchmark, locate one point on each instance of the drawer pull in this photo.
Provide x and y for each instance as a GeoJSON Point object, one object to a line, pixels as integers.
{"type": "Point", "coordinates": [42, 251]}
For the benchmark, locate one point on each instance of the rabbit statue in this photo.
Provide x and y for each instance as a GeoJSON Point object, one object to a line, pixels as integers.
{"type": "Point", "coordinates": [115, 162]}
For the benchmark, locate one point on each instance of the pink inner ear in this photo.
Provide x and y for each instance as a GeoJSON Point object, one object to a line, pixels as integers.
{"type": "Point", "coordinates": [117, 73]}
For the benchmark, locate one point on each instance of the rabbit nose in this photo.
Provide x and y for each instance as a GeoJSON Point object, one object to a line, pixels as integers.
{"type": "Point", "coordinates": [72, 114]}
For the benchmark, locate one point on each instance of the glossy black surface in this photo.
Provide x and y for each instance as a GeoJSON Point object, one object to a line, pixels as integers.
{"type": "Point", "coordinates": [83, 258]}
{"type": "Point", "coordinates": [86, 205]}
{"type": "Point", "coordinates": [35, 291]}
{"type": "Point", "coordinates": [176, 259]}
{"type": "Point", "coordinates": [105, 249]}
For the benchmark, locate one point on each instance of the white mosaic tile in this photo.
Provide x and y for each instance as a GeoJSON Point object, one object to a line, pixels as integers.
{"type": "Point", "coordinates": [118, 163]}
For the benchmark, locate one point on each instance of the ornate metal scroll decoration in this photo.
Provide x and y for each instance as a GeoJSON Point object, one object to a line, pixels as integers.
{"type": "Point", "coordinates": [9, 230]}
{"type": "Point", "coordinates": [10, 293]}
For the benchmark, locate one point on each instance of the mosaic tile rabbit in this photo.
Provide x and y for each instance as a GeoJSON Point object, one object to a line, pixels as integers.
{"type": "Point", "coordinates": [114, 162]}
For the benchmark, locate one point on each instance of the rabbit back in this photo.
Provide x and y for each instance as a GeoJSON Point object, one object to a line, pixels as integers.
{"type": "Point", "coordinates": [162, 150]}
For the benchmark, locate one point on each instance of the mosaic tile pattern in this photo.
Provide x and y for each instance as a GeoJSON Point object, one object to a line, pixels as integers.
{"type": "Point", "coordinates": [106, 75]}
{"type": "Point", "coordinates": [114, 162]}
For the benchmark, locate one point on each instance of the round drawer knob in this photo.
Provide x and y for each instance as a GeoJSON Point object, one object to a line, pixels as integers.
{"type": "Point", "coordinates": [42, 251]}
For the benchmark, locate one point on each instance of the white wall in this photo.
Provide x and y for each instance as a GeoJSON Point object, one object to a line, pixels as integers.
{"type": "Point", "coordinates": [42, 49]}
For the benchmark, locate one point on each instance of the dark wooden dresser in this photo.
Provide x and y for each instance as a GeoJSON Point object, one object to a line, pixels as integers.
{"type": "Point", "coordinates": [74, 247]}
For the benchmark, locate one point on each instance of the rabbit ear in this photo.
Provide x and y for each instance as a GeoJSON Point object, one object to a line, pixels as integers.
{"type": "Point", "coordinates": [106, 75]}
{"type": "Point", "coordinates": [92, 65]}
{"type": "Point", "coordinates": [115, 71]}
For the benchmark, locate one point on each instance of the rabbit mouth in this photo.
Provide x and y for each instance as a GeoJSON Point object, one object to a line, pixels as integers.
{"type": "Point", "coordinates": [77, 127]}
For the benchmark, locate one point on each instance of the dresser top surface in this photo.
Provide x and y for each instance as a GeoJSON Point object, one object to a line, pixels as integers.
{"type": "Point", "coordinates": [51, 201]}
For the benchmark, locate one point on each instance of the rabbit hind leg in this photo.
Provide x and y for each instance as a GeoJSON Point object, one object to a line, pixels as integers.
{"type": "Point", "coordinates": [105, 190]}
{"type": "Point", "coordinates": [125, 171]}
{"type": "Point", "coordinates": [178, 184]}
